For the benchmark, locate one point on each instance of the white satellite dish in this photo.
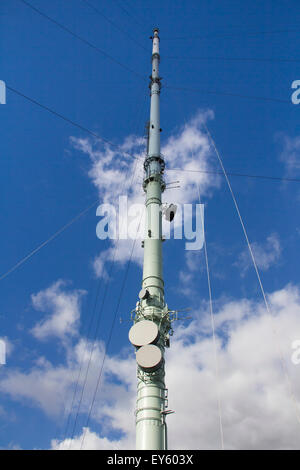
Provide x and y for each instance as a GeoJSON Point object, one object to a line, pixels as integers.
{"type": "Point", "coordinates": [144, 294]}
{"type": "Point", "coordinates": [143, 332]}
{"type": "Point", "coordinates": [170, 212]}
{"type": "Point", "coordinates": [149, 357]}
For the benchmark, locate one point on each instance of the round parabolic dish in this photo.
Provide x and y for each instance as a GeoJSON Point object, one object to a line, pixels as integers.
{"type": "Point", "coordinates": [143, 294]}
{"type": "Point", "coordinates": [149, 357]}
{"type": "Point", "coordinates": [143, 332]}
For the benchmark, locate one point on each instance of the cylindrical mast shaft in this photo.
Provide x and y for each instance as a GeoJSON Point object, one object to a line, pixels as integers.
{"type": "Point", "coordinates": [151, 391]}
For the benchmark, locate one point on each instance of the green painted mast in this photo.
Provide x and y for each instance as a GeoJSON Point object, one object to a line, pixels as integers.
{"type": "Point", "coordinates": [150, 332]}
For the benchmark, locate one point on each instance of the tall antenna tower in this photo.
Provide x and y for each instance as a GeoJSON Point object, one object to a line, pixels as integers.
{"type": "Point", "coordinates": [150, 332]}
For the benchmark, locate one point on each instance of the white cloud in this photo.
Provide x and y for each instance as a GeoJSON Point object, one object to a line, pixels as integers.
{"type": "Point", "coordinates": [266, 254]}
{"type": "Point", "coordinates": [99, 265]}
{"type": "Point", "coordinates": [11, 446]}
{"type": "Point", "coordinates": [45, 386]}
{"type": "Point", "coordinates": [51, 387]}
{"type": "Point", "coordinates": [258, 410]}
{"type": "Point", "coordinates": [290, 154]}
{"type": "Point", "coordinates": [194, 263]}
{"type": "Point", "coordinates": [89, 440]}
{"type": "Point", "coordinates": [62, 308]}
{"type": "Point", "coordinates": [114, 173]}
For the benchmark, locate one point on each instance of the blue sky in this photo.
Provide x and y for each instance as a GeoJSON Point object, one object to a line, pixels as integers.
{"type": "Point", "coordinates": [51, 171]}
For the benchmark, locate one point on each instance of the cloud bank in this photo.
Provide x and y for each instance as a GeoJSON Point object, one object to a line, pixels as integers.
{"type": "Point", "coordinates": [257, 407]}
{"type": "Point", "coordinates": [113, 172]}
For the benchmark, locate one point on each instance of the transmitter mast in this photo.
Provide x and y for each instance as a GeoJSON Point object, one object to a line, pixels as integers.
{"type": "Point", "coordinates": [152, 324]}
